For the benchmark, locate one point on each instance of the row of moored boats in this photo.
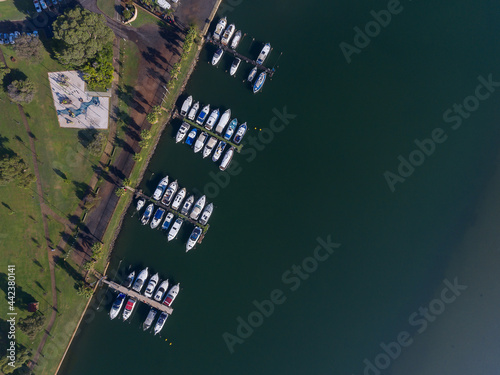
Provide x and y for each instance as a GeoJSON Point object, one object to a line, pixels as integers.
{"type": "Point", "coordinates": [158, 291]}
{"type": "Point", "coordinates": [170, 195]}
{"type": "Point", "coordinates": [212, 121]}
{"type": "Point", "coordinates": [224, 35]}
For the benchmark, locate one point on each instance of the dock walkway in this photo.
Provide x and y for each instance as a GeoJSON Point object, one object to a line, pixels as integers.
{"type": "Point", "coordinates": [213, 134]}
{"type": "Point", "coordinates": [139, 297]}
{"type": "Point", "coordinates": [227, 49]}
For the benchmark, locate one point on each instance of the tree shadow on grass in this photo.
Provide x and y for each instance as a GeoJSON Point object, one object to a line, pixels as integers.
{"type": "Point", "coordinates": [60, 173]}
{"type": "Point", "coordinates": [22, 299]}
{"type": "Point", "coordinates": [81, 189]}
{"type": "Point", "coordinates": [74, 274]}
{"type": "Point", "coordinates": [14, 75]}
{"type": "Point", "coordinates": [86, 136]}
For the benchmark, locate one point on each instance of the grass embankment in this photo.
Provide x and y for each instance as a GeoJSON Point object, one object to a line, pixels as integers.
{"type": "Point", "coordinates": [65, 168]}
{"type": "Point", "coordinates": [144, 18]}
{"type": "Point", "coordinates": [108, 7]}
{"type": "Point", "coordinates": [15, 10]}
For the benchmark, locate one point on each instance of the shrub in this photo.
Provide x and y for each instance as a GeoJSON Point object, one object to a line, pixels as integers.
{"type": "Point", "coordinates": [21, 91]}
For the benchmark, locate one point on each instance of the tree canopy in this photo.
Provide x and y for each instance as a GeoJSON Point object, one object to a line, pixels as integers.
{"type": "Point", "coordinates": [83, 35]}
{"type": "Point", "coordinates": [28, 47]}
{"type": "Point", "coordinates": [13, 168]}
{"type": "Point", "coordinates": [98, 73]}
{"type": "Point", "coordinates": [21, 91]}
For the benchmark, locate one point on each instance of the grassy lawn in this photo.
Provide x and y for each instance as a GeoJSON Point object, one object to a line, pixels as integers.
{"type": "Point", "coordinates": [108, 7]}
{"type": "Point", "coordinates": [144, 18]}
{"type": "Point", "coordinates": [15, 10]}
{"type": "Point", "coordinates": [65, 168]}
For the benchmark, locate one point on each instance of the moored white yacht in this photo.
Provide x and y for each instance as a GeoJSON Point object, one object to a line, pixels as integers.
{"type": "Point", "coordinates": [172, 233]}
{"type": "Point", "coordinates": [230, 129]}
{"type": "Point", "coordinates": [263, 54]}
{"type": "Point", "coordinates": [172, 294]}
{"type": "Point", "coordinates": [181, 134]}
{"type": "Point", "coordinates": [200, 203]}
{"type": "Point", "coordinates": [227, 159]}
{"type": "Point", "coordinates": [193, 111]}
{"type": "Point", "coordinates": [178, 199]}
{"type": "Point", "coordinates": [186, 105]}
{"type": "Point", "coordinates": [203, 115]}
{"type": "Point", "coordinates": [200, 142]}
{"type": "Point", "coordinates": [152, 285]}
{"type": "Point", "coordinates": [226, 37]}
{"type": "Point", "coordinates": [234, 66]}
{"type": "Point", "coordinates": [252, 74]}
{"type": "Point", "coordinates": [140, 204]}
{"type": "Point", "coordinates": [169, 194]}
{"type": "Point", "coordinates": [160, 189]}
{"type": "Point", "coordinates": [147, 214]}
{"type": "Point", "coordinates": [139, 282]}
{"type": "Point", "coordinates": [193, 238]}
{"type": "Point", "coordinates": [129, 307]}
{"type": "Point", "coordinates": [187, 205]}
{"type": "Point", "coordinates": [236, 39]}
{"type": "Point", "coordinates": [260, 82]}
{"type": "Point", "coordinates": [162, 289]}
{"type": "Point", "coordinates": [218, 152]}
{"type": "Point", "coordinates": [168, 221]}
{"type": "Point", "coordinates": [149, 319]}
{"type": "Point", "coordinates": [240, 133]}
{"type": "Point", "coordinates": [157, 217]}
{"type": "Point", "coordinates": [160, 323]}
{"type": "Point", "coordinates": [212, 119]}
{"type": "Point", "coordinates": [117, 305]}
{"type": "Point", "coordinates": [207, 212]}
{"type": "Point", "coordinates": [224, 119]}
{"type": "Point", "coordinates": [217, 56]}
{"type": "Point", "coordinates": [130, 279]}
{"type": "Point", "coordinates": [219, 29]}
{"type": "Point", "coordinates": [209, 146]}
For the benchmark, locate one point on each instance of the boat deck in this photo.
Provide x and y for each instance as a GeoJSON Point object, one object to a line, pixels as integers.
{"type": "Point", "coordinates": [139, 297]}
{"type": "Point", "coordinates": [212, 133]}
{"type": "Point", "coordinates": [228, 49]}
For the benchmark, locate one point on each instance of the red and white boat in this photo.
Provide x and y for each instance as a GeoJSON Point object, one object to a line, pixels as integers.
{"type": "Point", "coordinates": [129, 307]}
{"type": "Point", "coordinates": [172, 294]}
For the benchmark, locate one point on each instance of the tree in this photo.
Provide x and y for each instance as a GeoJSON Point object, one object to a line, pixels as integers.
{"type": "Point", "coordinates": [4, 70]}
{"type": "Point", "coordinates": [127, 14]}
{"type": "Point", "coordinates": [98, 73]}
{"type": "Point", "coordinates": [22, 355]}
{"type": "Point", "coordinates": [95, 146]}
{"type": "Point", "coordinates": [32, 324]}
{"type": "Point", "coordinates": [146, 134]}
{"type": "Point", "coordinates": [97, 251]}
{"type": "Point", "coordinates": [13, 168]}
{"type": "Point", "coordinates": [28, 47]}
{"type": "Point", "coordinates": [82, 35]}
{"type": "Point", "coordinates": [120, 192]}
{"type": "Point", "coordinates": [84, 290]}
{"type": "Point", "coordinates": [21, 91]}
{"type": "Point", "coordinates": [137, 157]}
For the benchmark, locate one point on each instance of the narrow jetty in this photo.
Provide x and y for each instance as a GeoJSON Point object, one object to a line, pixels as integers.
{"type": "Point", "coordinates": [213, 134]}
{"type": "Point", "coordinates": [139, 297]}
{"type": "Point", "coordinates": [227, 49]}
{"type": "Point", "coordinates": [140, 194]}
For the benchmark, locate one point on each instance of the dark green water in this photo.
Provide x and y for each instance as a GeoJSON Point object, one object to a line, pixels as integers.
{"type": "Point", "coordinates": [321, 176]}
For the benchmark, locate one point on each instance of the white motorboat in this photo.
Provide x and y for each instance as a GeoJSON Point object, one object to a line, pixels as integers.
{"type": "Point", "coordinates": [228, 34]}
{"type": "Point", "coordinates": [200, 142]}
{"type": "Point", "coordinates": [172, 293]}
{"type": "Point", "coordinates": [193, 111]}
{"type": "Point", "coordinates": [207, 212]}
{"type": "Point", "coordinates": [224, 119]}
{"type": "Point", "coordinates": [160, 323]}
{"type": "Point", "coordinates": [236, 39]}
{"type": "Point", "coordinates": [252, 74]}
{"type": "Point", "coordinates": [186, 105]}
{"type": "Point", "coordinates": [168, 221]}
{"type": "Point", "coordinates": [178, 199]}
{"type": "Point", "coordinates": [187, 205]}
{"type": "Point", "coordinates": [157, 217]}
{"type": "Point", "coordinates": [117, 306]}
{"type": "Point", "coordinates": [169, 194]}
{"type": "Point", "coordinates": [263, 54]}
{"type": "Point", "coordinates": [139, 282]}
{"type": "Point", "coordinates": [147, 214]}
{"type": "Point", "coordinates": [240, 133]}
{"type": "Point", "coordinates": [230, 129]}
{"type": "Point", "coordinates": [198, 206]}
{"type": "Point", "coordinates": [227, 159]}
{"type": "Point", "coordinates": [209, 146]}
{"type": "Point", "coordinates": [219, 29]}
{"type": "Point", "coordinates": [172, 233]}
{"type": "Point", "coordinates": [149, 319]}
{"type": "Point", "coordinates": [218, 152]}
{"type": "Point", "coordinates": [193, 238]}
{"type": "Point", "coordinates": [260, 82]}
{"type": "Point", "coordinates": [152, 285]}
{"type": "Point", "coordinates": [130, 279]}
{"type": "Point", "coordinates": [203, 115]}
{"type": "Point", "coordinates": [162, 289]}
{"type": "Point", "coordinates": [217, 56]}
{"type": "Point", "coordinates": [234, 66]}
{"type": "Point", "coordinates": [160, 189]}
{"type": "Point", "coordinates": [140, 204]}
{"type": "Point", "coordinates": [212, 119]}
{"type": "Point", "coordinates": [181, 134]}
{"type": "Point", "coordinates": [129, 307]}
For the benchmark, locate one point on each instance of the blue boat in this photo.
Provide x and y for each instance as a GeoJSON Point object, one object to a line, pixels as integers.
{"type": "Point", "coordinates": [157, 218]}
{"type": "Point", "coordinates": [240, 133]}
{"type": "Point", "coordinates": [230, 129]}
{"type": "Point", "coordinates": [168, 220]}
{"type": "Point", "coordinates": [191, 136]}
{"type": "Point", "coordinates": [252, 74]}
{"type": "Point", "coordinates": [260, 82]}
{"type": "Point", "coordinates": [203, 115]}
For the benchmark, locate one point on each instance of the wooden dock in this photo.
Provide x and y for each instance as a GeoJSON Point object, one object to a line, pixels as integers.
{"type": "Point", "coordinates": [140, 194]}
{"type": "Point", "coordinates": [214, 134]}
{"type": "Point", "coordinates": [139, 297]}
{"type": "Point", "coordinates": [227, 49]}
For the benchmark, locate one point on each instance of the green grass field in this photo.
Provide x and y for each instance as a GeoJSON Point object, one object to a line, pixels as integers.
{"type": "Point", "coordinates": [144, 18]}
{"type": "Point", "coordinates": [108, 7]}
{"type": "Point", "coordinates": [15, 10]}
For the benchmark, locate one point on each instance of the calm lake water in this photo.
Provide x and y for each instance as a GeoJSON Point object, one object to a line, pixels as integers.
{"type": "Point", "coordinates": [317, 172]}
